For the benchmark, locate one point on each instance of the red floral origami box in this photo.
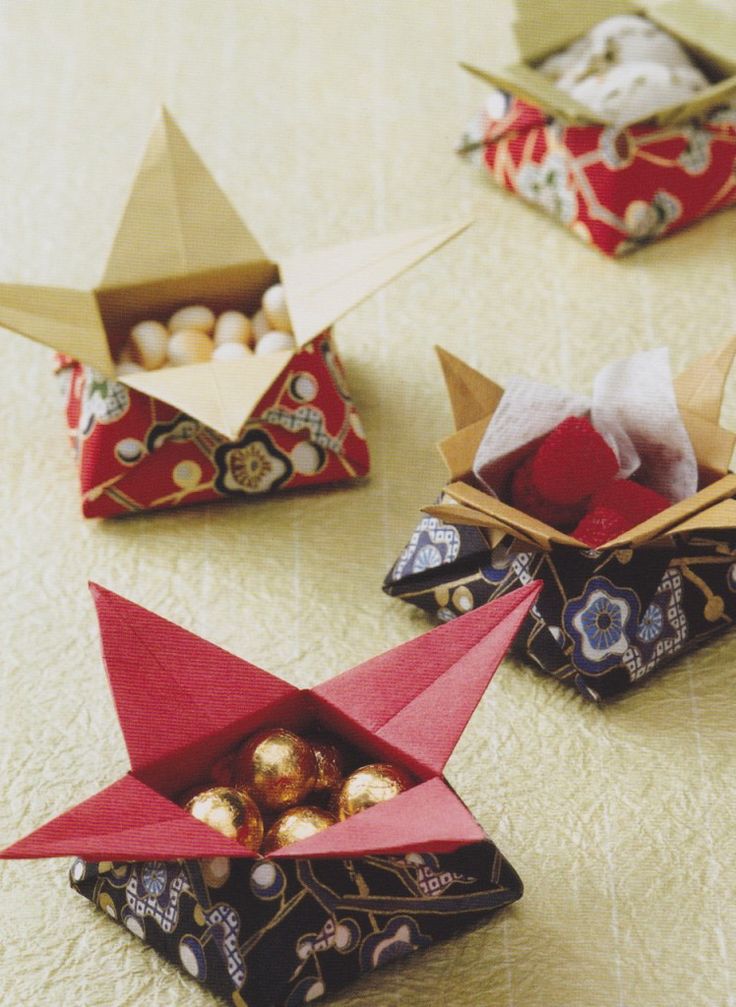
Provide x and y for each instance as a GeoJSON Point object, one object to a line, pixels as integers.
{"type": "Point", "coordinates": [215, 429]}
{"type": "Point", "coordinates": [314, 915]}
{"type": "Point", "coordinates": [617, 187]}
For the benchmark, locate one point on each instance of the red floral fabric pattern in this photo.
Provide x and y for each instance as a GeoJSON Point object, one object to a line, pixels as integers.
{"type": "Point", "coordinates": [615, 188]}
{"type": "Point", "coordinates": [137, 453]}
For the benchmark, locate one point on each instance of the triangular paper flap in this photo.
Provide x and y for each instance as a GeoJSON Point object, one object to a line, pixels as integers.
{"type": "Point", "coordinates": [713, 446]}
{"type": "Point", "coordinates": [177, 219]}
{"type": "Point", "coordinates": [537, 34]}
{"type": "Point", "coordinates": [459, 449]}
{"type": "Point", "coordinates": [375, 692]}
{"type": "Point", "coordinates": [472, 395]}
{"type": "Point", "coordinates": [721, 515]}
{"type": "Point", "coordinates": [66, 320]}
{"type": "Point", "coordinates": [432, 739]}
{"type": "Point", "coordinates": [322, 286]}
{"type": "Point", "coordinates": [220, 395]}
{"type": "Point", "coordinates": [709, 30]}
{"type": "Point", "coordinates": [458, 514]}
{"type": "Point", "coordinates": [126, 821]}
{"type": "Point", "coordinates": [699, 388]}
{"type": "Point", "coordinates": [174, 691]}
{"type": "Point", "coordinates": [428, 818]}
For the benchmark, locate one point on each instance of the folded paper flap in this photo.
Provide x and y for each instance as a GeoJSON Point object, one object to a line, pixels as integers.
{"type": "Point", "coordinates": [220, 395]}
{"type": "Point", "coordinates": [322, 286]}
{"type": "Point", "coordinates": [66, 320]}
{"type": "Point", "coordinates": [428, 817]}
{"type": "Point", "coordinates": [700, 386]}
{"type": "Point", "coordinates": [177, 219]}
{"type": "Point", "coordinates": [126, 821]}
{"type": "Point", "coordinates": [380, 693]}
{"type": "Point", "coordinates": [541, 534]}
{"type": "Point", "coordinates": [186, 681]}
{"type": "Point", "coordinates": [703, 27]}
{"type": "Point", "coordinates": [459, 449]}
{"type": "Point", "coordinates": [718, 517]}
{"type": "Point", "coordinates": [496, 528]}
{"type": "Point", "coordinates": [537, 34]}
{"type": "Point", "coordinates": [472, 395]}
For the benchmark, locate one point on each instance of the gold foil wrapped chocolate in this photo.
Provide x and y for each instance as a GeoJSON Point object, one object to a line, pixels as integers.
{"type": "Point", "coordinates": [232, 812]}
{"type": "Point", "coordinates": [330, 763]}
{"type": "Point", "coordinates": [294, 825]}
{"type": "Point", "coordinates": [277, 768]}
{"type": "Point", "coordinates": [368, 786]}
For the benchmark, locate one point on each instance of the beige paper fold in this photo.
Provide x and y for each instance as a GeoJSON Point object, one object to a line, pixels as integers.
{"type": "Point", "coordinates": [472, 396]}
{"type": "Point", "coordinates": [180, 241]}
{"type": "Point", "coordinates": [322, 286]}
{"type": "Point", "coordinates": [710, 34]}
{"type": "Point", "coordinates": [699, 390]}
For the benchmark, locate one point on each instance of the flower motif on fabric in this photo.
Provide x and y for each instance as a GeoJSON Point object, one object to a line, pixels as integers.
{"type": "Point", "coordinates": [695, 158]}
{"type": "Point", "coordinates": [181, 429]}
{"type": "Point", "coordinates": [104, 401]}
{"type": "Point", "coordinates": [644, 221]}
{"type": "Point", "coordinates": [651, 625]}
{"type": "Point", "coordinates": [400, 937]}
{"type": "Point", "coordinates": [601, 624]}
{"type": "Point", "coordinates": [547, 184]}
{"type": "Point", "coordinates": [251, 465]}
{"type": "Point", "coordinates": [433, 544]}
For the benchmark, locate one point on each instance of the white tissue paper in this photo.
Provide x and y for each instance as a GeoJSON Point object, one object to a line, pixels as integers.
{"type": "Point", "coordinates": [633, 407]}
{"type": "Point", "coordinates": [624, 69]}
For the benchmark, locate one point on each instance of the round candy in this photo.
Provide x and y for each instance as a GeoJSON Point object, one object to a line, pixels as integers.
{"type": "Point", "coordinates": [147, 344]}
{"type": "Point", "coordinates": [277, 768]}
{"type": "Point", "coordinates": [232, 351]}
{"type": "Point", "coordinates": [274, 341]}
{"type": "Point", "coordinates": [128, 367]}
{"type": "Point", "coordinates": [232, 812]}
{"type": "Point", "coordinates": [275, 310]}
{"type": "Point", "coordinates": [189, 346]}
{"type": "Point", "coordinates": [195, 316]}
{"type": "Point", "coordinates": [294, 825]}
{"type": "Point", "coordinates": [370, 785]}
{"type": "Point", "coordinates": [330, 763]}
{"type": "Point", "coordinates": [232, 327]}
{"type": "Point", "coordinates": [259, 325]}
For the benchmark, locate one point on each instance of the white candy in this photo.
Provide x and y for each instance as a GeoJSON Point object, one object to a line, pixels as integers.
{"type": "Point", "coordinates": [627, 38]}
{"type": "Point", "coordinates": [128, 367]}
{"type": "Point", "coordinates": [275, 340]}
{"type": "Point", "coordinates": [147, 345]}
{"type": "Point", "coordinates": [195, 316]}
{"type": "Point", "coordinates": [189, 346]}
{"type": "Point", "coordinates": [275, 310]}
{"type": "Point", "coordinates": [232, 351]}
{"type": "Point", "coordinates": [259, 325]}
{"type": "Point", "coordinates": [232, 327]}
{"type": "Point", "coordinates": [636, 90]}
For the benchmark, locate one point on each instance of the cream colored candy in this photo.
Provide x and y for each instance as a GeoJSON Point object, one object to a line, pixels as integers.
{"type": "Point", "coordinates": [259, 325]}
{"type": "Point", "coordinates": [275, 310]}
{"type": "Point", "coordinates": [147, 345]}
{"type": "Point", "coordinates": [233, 327]}
{"type": "Point", "coordinates": [232, 351]}
{"type": "Point", "coordinates": [274, 341]}
{"type": "Point", "coordinates": [635, 90]}
{"type": "Point", "coordinates": [128, 367]}
{"type": "Point", "coordinates": [189, 346]}
{"type": "Point", "coordinates": [195, 316]}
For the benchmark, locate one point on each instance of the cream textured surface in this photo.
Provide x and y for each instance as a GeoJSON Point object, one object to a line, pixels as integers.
{"type": "Point", "coordinates": [323, 121]}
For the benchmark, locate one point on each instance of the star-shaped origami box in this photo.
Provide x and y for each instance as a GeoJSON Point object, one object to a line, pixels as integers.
{"type": "Point", "coordinates": [313, 915]}
{"type": "Point", "coordinates": [216, 429]}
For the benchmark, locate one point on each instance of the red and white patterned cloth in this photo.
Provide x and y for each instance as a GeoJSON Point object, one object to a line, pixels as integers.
{"type": "Point", "coordinates": [616, 188]}
{"type": "Point", "coordinates": [137, 453]}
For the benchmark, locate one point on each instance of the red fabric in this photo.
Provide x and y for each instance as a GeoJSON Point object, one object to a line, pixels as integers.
{"type": "Point", "coordinates": [138, 453]}
{"type": "Point", "coordinates": [615, 188]}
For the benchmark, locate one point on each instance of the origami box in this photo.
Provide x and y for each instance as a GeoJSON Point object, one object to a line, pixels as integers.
{"type": "Point", "coordinates": [314, 915]}
{"type": "Point", "coordinates": [616, 187]}
{"type": "Point", "coordinates": [211, 430]}
{"type": "Point", "coordinates": [605, 618]}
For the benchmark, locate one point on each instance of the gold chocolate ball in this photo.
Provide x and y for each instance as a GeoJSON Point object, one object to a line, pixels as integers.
{"type": "Point", "coordinates": [232, 812]}
{"type": "Point", "coordinates": [277, 768]}
{"type": "Point", "coordinates": [330, 763]}
{"type": "Point", "coordinates": [296, 824]}
{"type": "Point", "coordinates": [370, 785]}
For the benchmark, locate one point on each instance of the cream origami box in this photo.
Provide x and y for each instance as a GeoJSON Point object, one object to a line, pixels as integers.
{"type": "Point", "coordinates": [617, 187]}
{"type": "Point", "coordinates": [210, 430]}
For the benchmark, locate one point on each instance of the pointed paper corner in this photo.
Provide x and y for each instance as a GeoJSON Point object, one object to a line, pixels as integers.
{"type": "Point", "coordinates": [700, 387]}
{"type": "Point", "coordinates": [472, 395]}
{"type": "Point", "coordinates": [177, 220]}
{"type": "Point", "coordinates": [323, 285]}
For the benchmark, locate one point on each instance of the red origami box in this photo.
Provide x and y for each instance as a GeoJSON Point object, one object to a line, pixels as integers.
{"type": "Point", "coordinates": [314, 915]}
{"type": "Point", "coordinates": [215, 429]}
{"type": "Point", "coordinates": [617, 185]}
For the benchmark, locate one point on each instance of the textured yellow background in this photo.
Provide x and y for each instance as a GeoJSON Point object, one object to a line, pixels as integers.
{"type": "Point", "coordinates": [323, 121]}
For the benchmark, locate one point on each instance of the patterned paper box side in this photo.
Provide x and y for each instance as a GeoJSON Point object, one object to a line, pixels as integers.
{"type": "Point", "coordinates": [267, 934]}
